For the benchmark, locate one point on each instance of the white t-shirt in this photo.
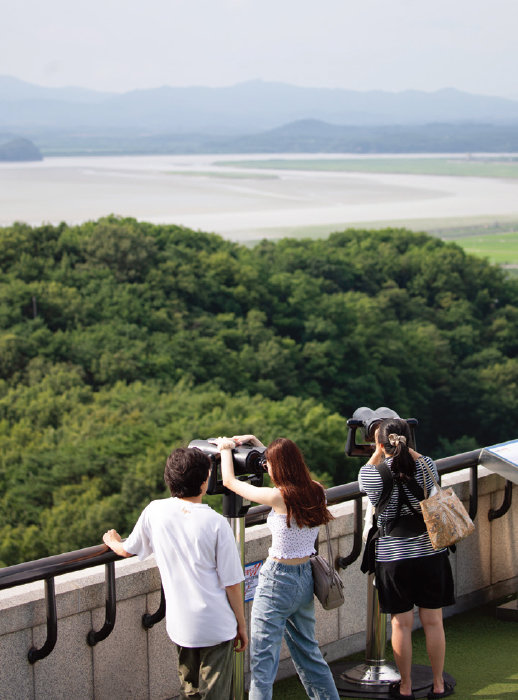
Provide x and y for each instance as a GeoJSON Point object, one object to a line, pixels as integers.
{"type": "Point", "coordinates": [197, 556]}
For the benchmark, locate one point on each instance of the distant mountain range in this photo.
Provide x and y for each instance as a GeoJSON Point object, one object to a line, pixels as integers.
{"type": "Point", "coordinates": [255, 116]}
{"type": "Point", "coordinates": [244, 108]}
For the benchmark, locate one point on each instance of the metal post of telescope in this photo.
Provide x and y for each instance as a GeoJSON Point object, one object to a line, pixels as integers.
{"type": "Point", "coordinates": [372, 677]}
{"type": "Point", "coordinates": [238, 528]}
{"type": "Point", "coordinates": [234, 509]}
{"type": "Point", "coordinates": [251, 470]}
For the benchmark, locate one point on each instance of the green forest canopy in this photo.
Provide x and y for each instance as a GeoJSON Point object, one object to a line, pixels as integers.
{"type": "Point", "coordinates": [121, 340]}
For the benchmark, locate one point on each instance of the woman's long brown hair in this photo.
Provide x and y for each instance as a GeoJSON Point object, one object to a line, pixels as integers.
{"type": "Point", "coordinates": [304, 498]}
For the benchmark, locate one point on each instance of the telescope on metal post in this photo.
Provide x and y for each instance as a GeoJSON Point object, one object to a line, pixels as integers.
{"type": "Point", "coordinates": [248, 466]}
{"type": "Point", "coordinates": [372, 678]}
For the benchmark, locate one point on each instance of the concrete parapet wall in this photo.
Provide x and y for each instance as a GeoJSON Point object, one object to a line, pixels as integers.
{"type": "Point", "coordinates": [141, 664]}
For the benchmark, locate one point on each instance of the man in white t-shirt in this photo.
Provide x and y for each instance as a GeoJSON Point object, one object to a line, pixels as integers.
{"type": "Point", "coordinates": [201, 574]}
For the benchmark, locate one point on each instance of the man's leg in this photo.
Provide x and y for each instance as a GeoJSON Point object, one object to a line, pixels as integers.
{"type": "Point", "coordinates": [189, 671]}
{"type": "Point", "coordinates": [216, 669]}
{"type": "Point", "coordinates": [206, 672]}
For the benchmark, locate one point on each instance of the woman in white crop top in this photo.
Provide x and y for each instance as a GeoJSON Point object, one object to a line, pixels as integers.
{"type": "Point", "coordinates": [283, 602]}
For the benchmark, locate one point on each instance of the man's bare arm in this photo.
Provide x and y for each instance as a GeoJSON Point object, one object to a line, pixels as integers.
{"type": "Point", "coordinates": [235, 598]}
{"type": "Point", "coordinates": [114, 541]}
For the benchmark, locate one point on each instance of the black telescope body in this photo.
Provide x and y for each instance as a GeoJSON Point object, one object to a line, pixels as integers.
{"type": "Point", "coordinates": [366, 421]}
{"type": "Point", "coordinates": [249, 465]}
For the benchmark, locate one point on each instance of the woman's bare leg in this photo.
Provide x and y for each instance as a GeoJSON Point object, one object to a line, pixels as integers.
{"type": "Point", "coordinates": [431, 620]}
{"type": "Point", "coordinates": [402, 624]}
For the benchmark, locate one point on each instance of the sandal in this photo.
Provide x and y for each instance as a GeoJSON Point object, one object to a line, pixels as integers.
{"type": "Point", "coordinates": [394, 692]}
{"type": "Point", "coordinates": [449, 689]}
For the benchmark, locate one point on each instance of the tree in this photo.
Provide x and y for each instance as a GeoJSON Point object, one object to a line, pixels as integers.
{"type": "Point", "coordinates": [120, 340]}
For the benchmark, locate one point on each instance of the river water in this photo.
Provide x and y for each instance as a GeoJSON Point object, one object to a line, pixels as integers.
{"type": "Point", "coordinates": [197, 192]}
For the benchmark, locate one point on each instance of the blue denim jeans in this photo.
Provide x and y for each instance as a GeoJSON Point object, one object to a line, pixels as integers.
{"type": "Point", "coordinates": [283, 605]}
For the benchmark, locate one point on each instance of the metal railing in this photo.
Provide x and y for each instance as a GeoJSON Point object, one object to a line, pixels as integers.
{"type": "Point", "coordinates": [48, 568]}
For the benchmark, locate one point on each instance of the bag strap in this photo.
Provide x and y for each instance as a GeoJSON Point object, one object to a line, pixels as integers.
{"type": "Point", "coordinates": [389, 483]}
{"type": "Point", "coordinates": [423, 463]}
{"type": "Point", "coordinates": [416, 491]}
{"type": "Point", "coordinates": [388, 486]}
{"type": "Point", "coordinates": [329, 548]}
{"type": "Point", "coordinates": [414, 488]}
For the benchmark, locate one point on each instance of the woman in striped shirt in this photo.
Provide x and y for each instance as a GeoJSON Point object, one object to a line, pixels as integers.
{"type": "Point", "coordinates": [408, 570]}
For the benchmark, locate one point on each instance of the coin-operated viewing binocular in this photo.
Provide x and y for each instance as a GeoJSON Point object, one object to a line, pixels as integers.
{"type": "Point", "coordinates": [249, 465]}
{"type": "Point", "coordinates": [362, 427]}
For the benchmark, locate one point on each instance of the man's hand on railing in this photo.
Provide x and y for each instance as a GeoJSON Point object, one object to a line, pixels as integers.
{"type": "Point", "coordinates": [114, 542]}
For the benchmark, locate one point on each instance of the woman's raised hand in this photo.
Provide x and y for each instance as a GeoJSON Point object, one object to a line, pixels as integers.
{"type": "Point", "coordinates": [247, 439]}
{"type": "Point", "coordinates": [224, 443]}
{"type": "Point", "coordinates": [378, 454]}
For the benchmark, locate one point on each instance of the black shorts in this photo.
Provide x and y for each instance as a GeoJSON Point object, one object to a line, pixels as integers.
{"type": "Point", "coordinates": [423, 581]}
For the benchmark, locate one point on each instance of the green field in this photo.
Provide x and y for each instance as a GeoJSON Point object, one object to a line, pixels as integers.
{"type": "Point", "coordinates": [500, 248]}
{"type": "Point", "coordinates": [457, 166]}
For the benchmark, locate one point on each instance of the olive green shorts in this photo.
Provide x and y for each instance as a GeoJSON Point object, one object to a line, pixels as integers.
{"type": "Point", "coordinates": [206, 672]}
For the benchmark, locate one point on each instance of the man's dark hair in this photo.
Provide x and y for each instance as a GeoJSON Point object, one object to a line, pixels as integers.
{"type": "Point", "coordinates": [185, 471]}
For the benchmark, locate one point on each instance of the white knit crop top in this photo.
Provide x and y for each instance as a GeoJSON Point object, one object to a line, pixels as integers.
{"type": "Point", "coordinates": [292, 542]}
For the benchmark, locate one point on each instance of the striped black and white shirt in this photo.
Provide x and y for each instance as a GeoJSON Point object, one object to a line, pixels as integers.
{"type": "Point", "coordinates": [394, 548]}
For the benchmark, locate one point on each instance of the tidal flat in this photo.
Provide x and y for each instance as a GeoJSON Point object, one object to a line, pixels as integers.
{"type": "Point", "coordinates": [249, 203]}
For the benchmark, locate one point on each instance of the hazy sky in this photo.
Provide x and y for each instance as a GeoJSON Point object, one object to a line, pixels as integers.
{"type": "Point", "coordinates": [393, 45]}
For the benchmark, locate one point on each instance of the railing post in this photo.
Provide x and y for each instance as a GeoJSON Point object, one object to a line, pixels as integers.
{"type": "Point", "coordinates": [473, 491]}
{"type": "Point", "coordinates": [506, 503]}
{"type": "Point", "coordinates": [235, 508]}
{"type": "Point", "coordinates": [52, 624]}
{"type": "Point", "coordinates": [111, 608]}
{"type": "Point", "coordinates": [148, 619]}
{"type": "Point", "coordinates": [343, 562]}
